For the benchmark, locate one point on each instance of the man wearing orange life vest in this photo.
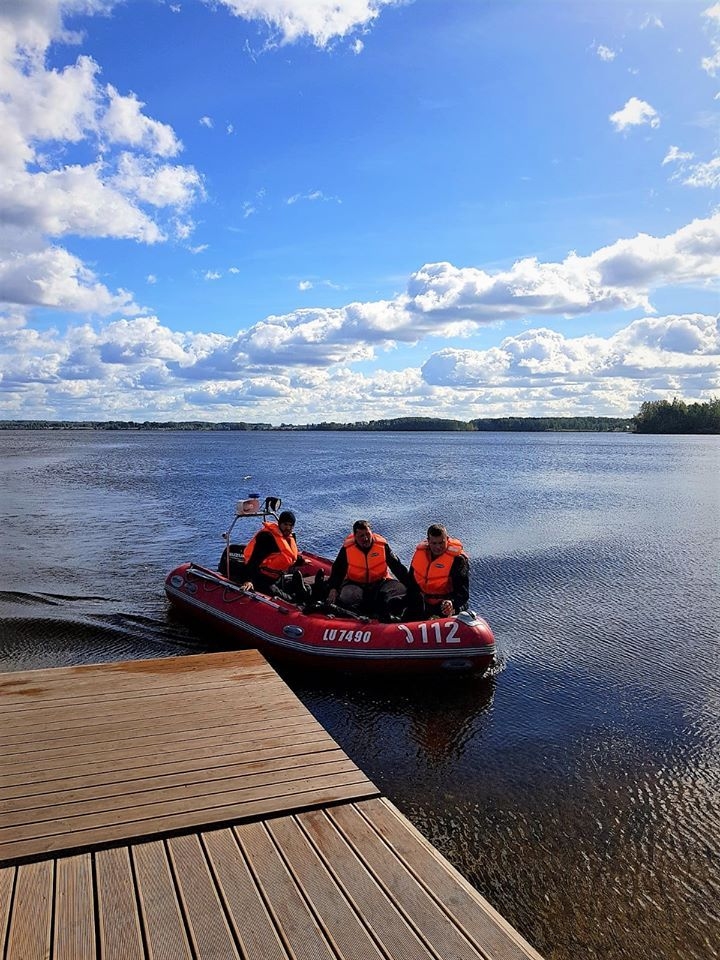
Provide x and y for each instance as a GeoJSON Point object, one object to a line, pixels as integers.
{"type": "Point", "coordinates": [272, 552]}
{"type": "Point", "coordinates": [440, 577]}
{"type": "Point", "coordinates": [360, 579]}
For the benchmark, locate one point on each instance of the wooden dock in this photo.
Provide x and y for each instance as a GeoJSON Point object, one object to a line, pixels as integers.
{"type": "Point", "coordinates": [193, 808]}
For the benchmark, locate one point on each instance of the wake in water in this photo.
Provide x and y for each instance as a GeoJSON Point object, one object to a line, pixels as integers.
{"type": "Point", "coordinates": [41, 628]}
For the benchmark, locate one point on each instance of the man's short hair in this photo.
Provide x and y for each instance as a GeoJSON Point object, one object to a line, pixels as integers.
{"type": "Point", "coordinates": [360, 525]}
{"type": "Point", "coordinates": [437, 530]}
{"type": "Point", "coordinates": [287, 516]}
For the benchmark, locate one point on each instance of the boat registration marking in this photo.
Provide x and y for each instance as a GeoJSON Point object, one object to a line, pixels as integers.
{"type": "Point", "coordinates": [347, 636]}
{"type": "Point", "coordinates": [438, 631]}
{"type": "Point", "coordinates": [434, 627]}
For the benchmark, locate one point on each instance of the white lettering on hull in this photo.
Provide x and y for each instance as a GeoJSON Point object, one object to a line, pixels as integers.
{"type": "Point", "coordinates": [436, 631]}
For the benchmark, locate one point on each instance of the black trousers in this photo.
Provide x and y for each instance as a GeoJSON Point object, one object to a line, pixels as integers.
{"type": "Point", "coordinates": [382, 599]}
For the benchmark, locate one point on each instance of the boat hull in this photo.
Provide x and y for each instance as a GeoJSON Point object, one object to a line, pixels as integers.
{"type": "Point", "coordinates": [283, 631]}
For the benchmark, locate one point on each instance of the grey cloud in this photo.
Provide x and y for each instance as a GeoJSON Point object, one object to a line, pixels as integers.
{"type": "Point", "coordinates": [82, 364]}
{"type": "Point", "coordinates": [123, 353]}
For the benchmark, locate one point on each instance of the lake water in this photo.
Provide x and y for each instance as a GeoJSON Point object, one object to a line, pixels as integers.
{"type": "Point", "coordinates": [578, 788]}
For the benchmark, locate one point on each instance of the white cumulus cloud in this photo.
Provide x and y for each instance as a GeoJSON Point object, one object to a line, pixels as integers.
{"type": "Point", "coordinates": [124, 188]}
{"type": "Point", "coordinates": [711, 64]}
{"type": "Point", "coordinates": [160, 185]}
{"type": "Point", "coordinates": [320, 20]}
{"type": "Point", "coordinates": [635, 113]}
{"type": "Point", "coordinates": [140, 369]}
{"type": "Point", "coordinates": [704, 174]}
{"type": "Point", "coordinates": [676, 155]}
{"type": "Point", "coordinates": [685, 346]}
{"type": "Point", "coordinates": [73, 200]}
{"type": "Point", "coordinates": [52, 277]}
{"type": "Point", "coordinates": [125, 123]}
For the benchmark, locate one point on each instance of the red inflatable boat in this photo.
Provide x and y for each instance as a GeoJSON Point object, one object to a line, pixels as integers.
{"type": "Point", "coordinates": [327, 636]}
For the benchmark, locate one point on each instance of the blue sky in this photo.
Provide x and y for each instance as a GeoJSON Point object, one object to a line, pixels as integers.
{"type": "Point", "coordinates": [300, 210]}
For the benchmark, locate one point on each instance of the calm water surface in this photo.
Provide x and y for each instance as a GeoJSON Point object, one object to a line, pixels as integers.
{"type": "Point", "coordinates": [577, 789]}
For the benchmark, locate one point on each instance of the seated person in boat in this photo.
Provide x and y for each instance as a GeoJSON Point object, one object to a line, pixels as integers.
{"type": "Point", "coordinates": [271, 553]}
{"type": "Point", "coordinates": [360, 579]}
{"type": "Point", "coordinates": [439, 584]}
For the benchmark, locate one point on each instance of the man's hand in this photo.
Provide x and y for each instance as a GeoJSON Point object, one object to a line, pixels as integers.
{"type": "Point", "coordinates": [247, 585]}
{"type": "Point", "coordinates": [446, 608]}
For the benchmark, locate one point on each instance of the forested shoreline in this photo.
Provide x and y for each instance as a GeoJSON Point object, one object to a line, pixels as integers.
{"type": "Point", "coordinates": [656, 416]}
{"type": "Point", "coordinates": [676, 416]}
{"type": "Point", "coordinates": [401, 424]}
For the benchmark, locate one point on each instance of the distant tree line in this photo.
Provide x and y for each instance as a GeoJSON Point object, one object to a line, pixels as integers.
{"type": "Point", "coordinates": [676, 416]}
{"type": "Point", "coordinates": [656, 416]}
{"type": "Point", "coordinates": [396, 423]}
{"type": "Point", "coordinates": [400, 424]}
{"type": "Point", "coordinates": [541, 424]}
{"type": "Point", "coordinates": [129, 425]}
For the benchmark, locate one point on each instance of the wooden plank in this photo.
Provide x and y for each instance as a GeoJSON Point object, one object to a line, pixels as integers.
{"type": "Point", "coordinates": [94, 687]}
{"type": "Point", "coordinates": [57, 683]}
{"type": "Point", "coordinates": [187, 760]}
{"type": "Point", "coordinates": [162, 918]}
{"type": "Point", "coordinates": [402, 887]}
{"type": "Point", "coordinates": [118, 921]}
{"type": "Point", "coordinates": [297, 924]}
{"type": "Point", "coordinates": [121, 799]}
{"type": "Point", "coordinates": [42, 761]}
{"type": "Point", "coordinates": [90, 690]}
{"type": "Point", "coordinates": [7, 884]}
{"type": "Point", "coordinates": [30, 922]}
{"type": "Point", "coordinates": [179, 801]}
{"type": "Point", "coordinates": [142, 783]}
{"type": "Point", "coordinates": [99, 690]}
{"type": "Point", "coordinates": [198, 715]}
{"type": "Point", "coordinates": [70, 690]}
{"type": "Point", "coordinates": [54, 723]}
{"type": "Point", "coordinates": [389, 928]}
{"type": "Point", "coordinates": [151, 673]}
{"type": "Point", "coordinates": [151, 745]}
{"type": "Point", "coordinates": [298, 795]}
{"type": "Point", "coordinates": [469, 909]}
{"type": "Point", "coordinates": [209, 929]}
{"type": "Point", "coordinates": [74, 909]}
{"type": "Point", "coordinates": [140, 707]}
{"type": "Point", "coordinates": [340, 922]}
{"type": "Point", "coordinates": [247, 911]}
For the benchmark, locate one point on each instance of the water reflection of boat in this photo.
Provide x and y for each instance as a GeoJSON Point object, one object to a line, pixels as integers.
{"type": "Point", "coordinates": [318, 634]}
{"type": "Point", "coordinates": [442, 726]}
{"type": "Point", "coordinates": [401, 725]}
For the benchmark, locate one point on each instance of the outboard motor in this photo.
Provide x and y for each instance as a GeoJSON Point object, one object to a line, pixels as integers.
{"type": "Point", "coordinates": [236, 570]}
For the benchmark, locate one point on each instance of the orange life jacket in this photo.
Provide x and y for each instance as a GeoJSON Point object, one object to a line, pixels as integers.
{"type": "Point", "coordinates": [366, 567]}
{"type": "Point", "coordinates": [277, 562]}
{"type": "Point", "coordinates": [432, 574]}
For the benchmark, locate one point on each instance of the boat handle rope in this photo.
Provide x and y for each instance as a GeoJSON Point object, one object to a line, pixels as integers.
{"type": "Point", "coordinates": [344, 612]}
{"type": "Point", "coordinates": [251, 595]}
{"type": "Point", "coordinates": [232, 588]}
